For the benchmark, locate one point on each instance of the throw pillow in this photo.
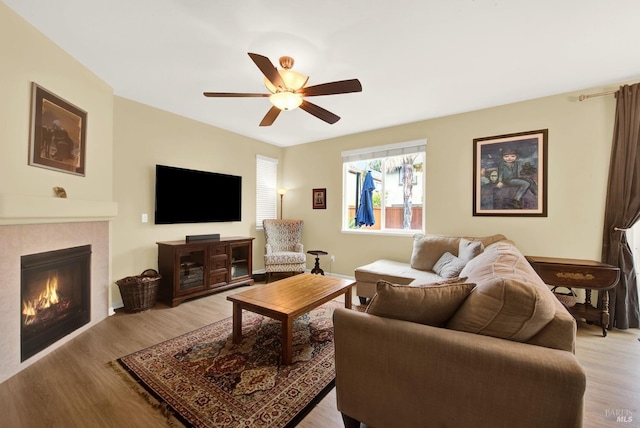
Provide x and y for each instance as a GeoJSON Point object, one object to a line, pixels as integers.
{"type": "Point", "coordinates": [427, 249]}
{"type": "Point", "coordinates": [428, 304]}
{"type": "Point", "coordinates": [448, 266]}
{"type": "Point", "coordinates": [469, 249]}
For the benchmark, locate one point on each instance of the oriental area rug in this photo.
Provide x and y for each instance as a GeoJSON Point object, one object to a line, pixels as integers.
{"type": "Point", "coordinates": [202, 379]}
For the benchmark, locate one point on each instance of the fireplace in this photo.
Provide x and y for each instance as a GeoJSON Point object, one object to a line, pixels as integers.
{"type": "Point", "coordinates": [55, 291]}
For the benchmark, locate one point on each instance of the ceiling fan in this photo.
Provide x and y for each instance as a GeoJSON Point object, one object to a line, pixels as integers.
{"type": "Point", "coordinates": [287, 90]}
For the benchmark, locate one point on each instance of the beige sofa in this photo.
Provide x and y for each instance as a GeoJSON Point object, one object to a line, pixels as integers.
{"type": "Point", "coordinates": [495, 350]}
{"type": "Point", "coordinates": [427, 249]}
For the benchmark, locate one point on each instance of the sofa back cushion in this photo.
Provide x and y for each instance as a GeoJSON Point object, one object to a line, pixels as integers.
{"type": "Point", "coordinates": [510, 300]}
{"type": "Point", "coordinates": [427, 249]}
{"type": "Point", "coordinates": [430, 304]}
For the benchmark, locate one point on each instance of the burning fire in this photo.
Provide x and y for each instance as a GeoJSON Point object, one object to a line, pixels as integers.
{"type": "Point", "coordinates": [47, 298]}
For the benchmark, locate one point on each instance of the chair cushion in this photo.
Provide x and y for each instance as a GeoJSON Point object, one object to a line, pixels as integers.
{"type": "Point", "coordinates": [285, 257]}
{"type": "Point", "coordinates": [296, 267]}
{"type": "Point", "coordinates": [430, 304]}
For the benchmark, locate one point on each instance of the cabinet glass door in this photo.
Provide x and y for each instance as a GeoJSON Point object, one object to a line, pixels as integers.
{"type": "Point", "coordinates": [192, 269]}
{"type": "Point", "coordinates": [240, 256]}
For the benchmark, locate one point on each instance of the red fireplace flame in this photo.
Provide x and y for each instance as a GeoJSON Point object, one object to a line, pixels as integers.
{"type": "Point", "coordinates": [47, 298]}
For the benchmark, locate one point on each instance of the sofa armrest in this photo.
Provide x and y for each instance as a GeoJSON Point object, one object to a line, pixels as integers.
{"type": "Point", "coordinates": [392, 373]}
{"type": "Point", "coordinates": [299, 248]}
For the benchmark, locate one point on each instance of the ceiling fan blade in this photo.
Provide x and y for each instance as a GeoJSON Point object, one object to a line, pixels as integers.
{"type": "Point", "coordinates": [270, 72]}
{"type": "Point", "coordinates": [319, 112]}
{"type": "Point", "coordinates": [233, 94]}
{"type": "Point", "coordinates": [270, 117]}
{"type": "Point", "coordinates": [331, 88]}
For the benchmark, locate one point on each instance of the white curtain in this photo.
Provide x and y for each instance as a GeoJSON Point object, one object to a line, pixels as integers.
{"type": "Point", "coordinates": [633, 237]}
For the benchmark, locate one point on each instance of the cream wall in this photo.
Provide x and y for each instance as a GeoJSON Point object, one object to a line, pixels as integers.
{"type": "Point", "coordinates": [27, 197]}
{"type": "Point", "coordinates": [28, 56]}
{"type": "Point", "coordinates": [580, 135]}
{"type": "Point", "coordinates": [579, 144]}
{"type": "Point", "coordinates": [125, 140]}
{"type": "Point", "coordinates": [145, 136]}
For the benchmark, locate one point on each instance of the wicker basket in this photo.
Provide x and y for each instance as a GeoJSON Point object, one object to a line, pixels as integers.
{"type": "Point", "coordinates": [139, 292]}
{"type": "Point", "coordinates": [568, 299]}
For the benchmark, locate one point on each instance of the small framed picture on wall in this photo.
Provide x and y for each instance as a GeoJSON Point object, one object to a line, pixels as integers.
{"type": "Point", "coordinates": [319, 199]}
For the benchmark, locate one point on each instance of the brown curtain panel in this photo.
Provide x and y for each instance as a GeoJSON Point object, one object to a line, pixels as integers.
{"type": "Point", "coordinates": [622, 209]}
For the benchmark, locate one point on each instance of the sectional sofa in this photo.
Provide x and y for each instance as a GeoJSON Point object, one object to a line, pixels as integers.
{"type": "Point", "coordinates": [427, 249]}
{"type": "Point", "coordinates": [488, 347]}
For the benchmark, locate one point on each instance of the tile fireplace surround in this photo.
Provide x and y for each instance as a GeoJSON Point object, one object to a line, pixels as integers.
{"type": "Point", "coordinates": [23, 239]}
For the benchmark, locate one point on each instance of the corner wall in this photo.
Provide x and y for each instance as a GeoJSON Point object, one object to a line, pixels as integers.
{"type": "Point", "coordinates": [28, 56]}
{"type": "Point", "coordinates": [580, 135]}
{"type": "Point", "coordinates": [125, 140]}
{"type": "Point", "coordinates": [145, 136]}
{"type": "Point", "coordinates": [27, 194]}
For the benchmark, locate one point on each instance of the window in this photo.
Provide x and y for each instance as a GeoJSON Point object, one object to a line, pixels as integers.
{"type": "Point", "coordinates": [397, 172]}
{"type": "Point", "coordinates": [266, 182]}
{"type": "Point", "coordinates": [633, 237]}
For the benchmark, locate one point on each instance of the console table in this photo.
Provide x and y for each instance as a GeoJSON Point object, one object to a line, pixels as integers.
{"type": "Point", "coordinates": [584, 274]}
{"type": "Point", "coordinates": [199, 268]}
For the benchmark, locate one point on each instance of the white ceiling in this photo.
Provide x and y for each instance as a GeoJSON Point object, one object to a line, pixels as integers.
{"type": "Point", "coordinates": [416, 59]}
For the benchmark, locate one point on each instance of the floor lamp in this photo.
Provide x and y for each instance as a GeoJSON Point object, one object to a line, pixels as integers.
{"type": "Point", "coordinates": [281, 192]}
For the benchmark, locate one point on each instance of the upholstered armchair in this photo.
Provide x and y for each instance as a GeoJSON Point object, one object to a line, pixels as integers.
{"type": "Point", "coordinates": [283, 251]}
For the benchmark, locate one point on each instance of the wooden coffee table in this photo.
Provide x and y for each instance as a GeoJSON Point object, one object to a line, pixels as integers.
{"type": "Point", "coordinates": [287, 299]}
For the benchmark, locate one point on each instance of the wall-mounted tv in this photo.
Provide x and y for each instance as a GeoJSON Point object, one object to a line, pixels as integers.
{"type": "Point", "coordinates": [190, 196]}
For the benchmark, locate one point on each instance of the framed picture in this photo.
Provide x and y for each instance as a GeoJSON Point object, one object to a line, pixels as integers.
{"type": "Point", "coordinates": [58, 133]}
{"type": "Point", "coordinates": [510, 175]}
{"type": "Point", "coordinates": [319, 199]}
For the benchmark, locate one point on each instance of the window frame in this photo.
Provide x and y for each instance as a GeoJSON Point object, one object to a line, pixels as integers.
{"type": "Point", "coordinates": [378, 152]}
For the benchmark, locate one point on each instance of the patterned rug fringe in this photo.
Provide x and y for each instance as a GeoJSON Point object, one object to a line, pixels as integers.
{"type": "Point", "coordinates": [300, 416]}
{"type": "Point", "coordinates": [158, 405]}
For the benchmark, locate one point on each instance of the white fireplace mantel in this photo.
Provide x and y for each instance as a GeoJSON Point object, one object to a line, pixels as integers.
{"type": "Point", "coordinates": [27, 209]}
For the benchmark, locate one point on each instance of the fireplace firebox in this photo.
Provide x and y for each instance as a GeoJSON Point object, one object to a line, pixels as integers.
{"type": "Point", "coordinates": [55, 296]}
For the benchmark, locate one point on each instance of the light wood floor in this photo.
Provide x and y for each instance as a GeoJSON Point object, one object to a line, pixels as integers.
{"type": "Point", "coordinates": [74, 386]}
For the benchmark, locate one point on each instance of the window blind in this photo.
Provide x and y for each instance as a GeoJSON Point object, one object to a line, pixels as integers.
{"type": "Point", "coordinates": [266, 195]}
{"type": "Point", "coordinates": [384, 151]}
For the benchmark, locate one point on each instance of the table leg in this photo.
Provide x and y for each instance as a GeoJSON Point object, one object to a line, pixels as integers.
{"type": "Point", "coordinates": [237, 323]}
{"type": "Point", "coordinates": [347, 298]}
{"type": "Point", "coordinates": [316, 269]}
{"type": "Point", "coordinates": [605, 311]}
{"type": "Point", "coordinates": [287, 341]}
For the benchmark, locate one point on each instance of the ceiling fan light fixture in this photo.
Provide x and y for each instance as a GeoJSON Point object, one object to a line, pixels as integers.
{"type": "Point", "coordinates": [290, 90]}
{"type": "Point", "coordinates": [286, 100]}
{"type": "Point", "coordinates": [292, 79]}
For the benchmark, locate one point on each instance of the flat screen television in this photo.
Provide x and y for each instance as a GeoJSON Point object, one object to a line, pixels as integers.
{"type": "Point", "coordinates": [191, 196]}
